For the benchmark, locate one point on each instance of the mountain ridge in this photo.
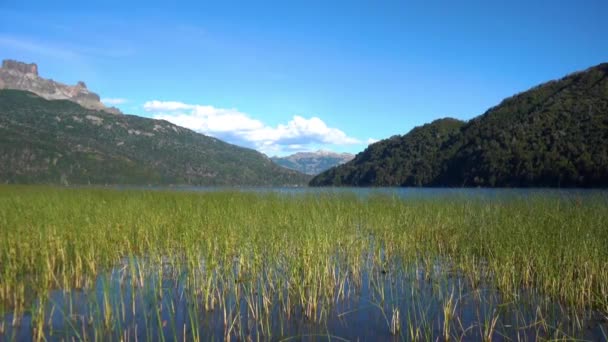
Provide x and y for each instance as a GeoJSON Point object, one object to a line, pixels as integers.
{"type": "Point", "coordinates": [61, 142]}
{"type": "Point", "coordinates": [313, 163]}
{"type": "Point", "coordinates": [24, 76]}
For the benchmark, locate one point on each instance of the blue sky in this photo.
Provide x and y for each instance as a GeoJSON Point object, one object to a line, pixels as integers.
{"type": "Point", "coordinates": [287, 76]}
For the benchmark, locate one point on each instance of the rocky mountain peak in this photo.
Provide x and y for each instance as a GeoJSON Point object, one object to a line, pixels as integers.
{"type": "Point", "coordinates": [24, 76]}
{"type": "Point", "coordinates": [25, 68]}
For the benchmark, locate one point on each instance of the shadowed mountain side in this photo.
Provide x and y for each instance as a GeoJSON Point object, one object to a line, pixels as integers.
{"type": "Point", "coordinates": [553, 135]}
{"type": "Point", "coordinates": [412, 159]}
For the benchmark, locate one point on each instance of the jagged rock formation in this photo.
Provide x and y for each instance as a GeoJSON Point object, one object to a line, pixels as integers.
{"type": "Point", "coordinates": [24, 76]}
{"type": "Point", "coordinates": [313, 163]}
{"type": "Point", "coordinates": [21, 67]}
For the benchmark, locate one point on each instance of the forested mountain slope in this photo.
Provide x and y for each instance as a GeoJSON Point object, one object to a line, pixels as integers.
{"type": "Point", "coordinates": [553, 135]}
{"type": "Point", "coordinates": [59, 141]}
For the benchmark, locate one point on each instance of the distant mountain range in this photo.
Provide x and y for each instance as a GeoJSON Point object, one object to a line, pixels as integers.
{"type": "Point", "coordinates": [61, 142]}
{"type": "Point", "coordinates": [313, 163]}
{"type": "Point", "coordinates": [24, 76]}
{"type": "Point", "coordinates": [553, 135]}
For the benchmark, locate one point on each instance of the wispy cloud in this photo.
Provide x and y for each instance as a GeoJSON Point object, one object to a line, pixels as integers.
{"type": "Point", "coordinates": [114, 101]}
{"type": "Point", "coordinates": [44, 49]}
{"type": "Point", "coordinates": [239, 128]}
{"type": "Point", "coordinates": [79, 58]}
{"type": "Point", "coordinates": [68, 52]}
{"type": "Point", "coordinates": [110, 51]}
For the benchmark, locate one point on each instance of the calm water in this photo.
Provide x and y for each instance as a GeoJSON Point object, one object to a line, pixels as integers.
{"type": "Point", "coordinates": [400, 192]}
{"type": "Point", "coordinates": [165, 308]}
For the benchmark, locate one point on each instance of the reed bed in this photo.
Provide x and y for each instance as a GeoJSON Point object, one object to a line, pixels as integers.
{"type": "Point", "coordinates": [152, 265]}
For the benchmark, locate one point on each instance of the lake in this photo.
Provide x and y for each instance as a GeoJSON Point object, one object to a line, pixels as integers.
{"type": "Point", "coordinates": [303, 264]}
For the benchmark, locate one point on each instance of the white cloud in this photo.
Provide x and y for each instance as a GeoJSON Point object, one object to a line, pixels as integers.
{"type": "Point", "coordinates": [113, 101]}
{"type": "Point", "coordinates": [162, 106]}
{"type": "Point", "coordinates": [239, 128]}
{"type": "Point", "coordinates": [371, 141]}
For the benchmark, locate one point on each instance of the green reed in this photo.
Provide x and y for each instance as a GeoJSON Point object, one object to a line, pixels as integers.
{"type": "Point", "coordinates": [297, 252]}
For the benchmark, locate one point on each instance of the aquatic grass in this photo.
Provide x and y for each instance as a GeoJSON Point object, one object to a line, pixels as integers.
{"type": "Point", "coordinates": [255, 264]}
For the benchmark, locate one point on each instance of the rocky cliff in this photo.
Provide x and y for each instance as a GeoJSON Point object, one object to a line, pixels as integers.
{"type": "Point", "coordinates": [24, 76]}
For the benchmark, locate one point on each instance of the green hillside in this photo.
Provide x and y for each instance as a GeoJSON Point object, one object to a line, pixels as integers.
{"type": "Point", "coordinates": [61, 142]}
{"type": "Point", "coordinates": [553, 135]}
{"type": "Point", "coordinates": [413, 159]}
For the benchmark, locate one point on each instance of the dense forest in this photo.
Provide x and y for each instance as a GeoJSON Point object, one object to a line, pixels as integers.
{"type": "Point", "coordinates": [413, 159]}
{"type": "Point", "coordinates": [553, 135]}
{"type": "Point", "coordinates": [59, 141]}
